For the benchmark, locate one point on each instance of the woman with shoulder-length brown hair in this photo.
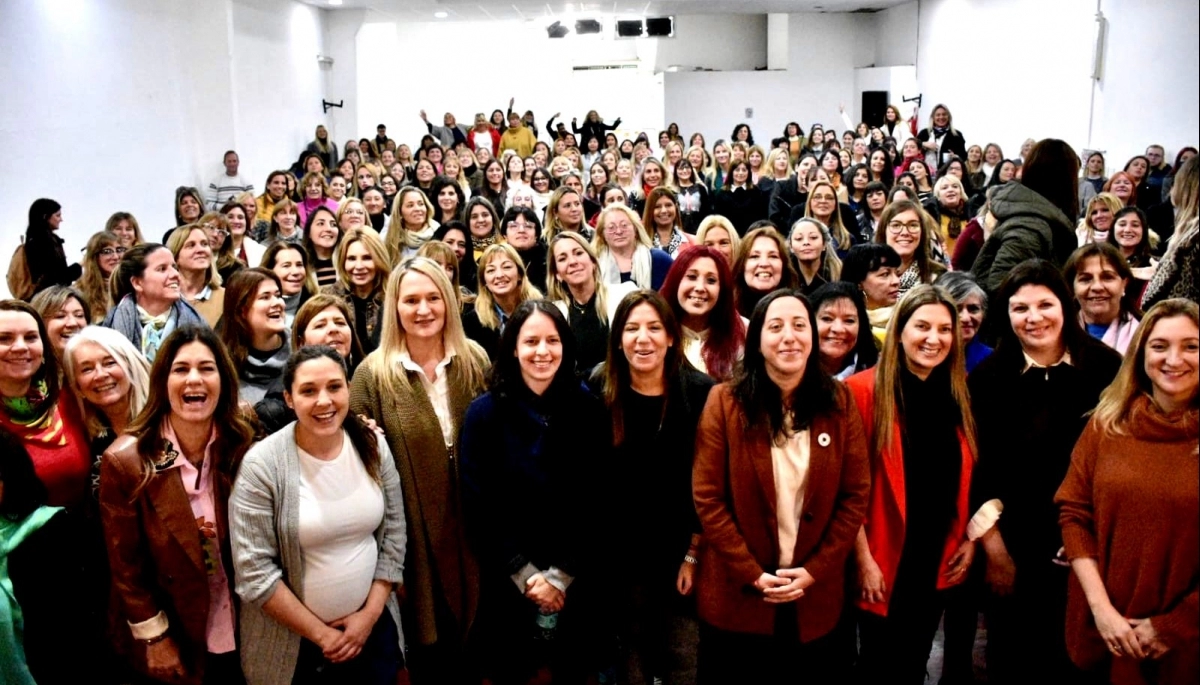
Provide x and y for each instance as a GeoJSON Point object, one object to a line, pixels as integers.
{"type": "Point", "coordinates": [416, 386]}
{"type": "Point", "coordinates": [199, 280]}
{"type": "Point", "coordinates": [761, 266]}
{"type": "Point", "coordinates": [913, 545]}
{"type": "Point", "coordinates": [780, 484]}
{"type": "Point", "coordinates": [1128, 508]}
{"type": "Point", "coordinates": [164, 489]}
{"type": "Point", "coordinates": [254, 331]}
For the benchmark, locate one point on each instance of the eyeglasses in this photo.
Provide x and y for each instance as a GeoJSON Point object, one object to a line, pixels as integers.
{"type": "Point", "coordinates": [896, 228]}
{"type": "Point", "coordinates": [110, 251]}
{"type": "Point", "coordinates": [219, 232]}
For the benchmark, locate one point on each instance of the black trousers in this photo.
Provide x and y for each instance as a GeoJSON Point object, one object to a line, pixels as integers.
{"type": "Point", "coordinates": [1027, 629]}
{"type": "Point", "coordinates": [895, 649]}
{"type": "Point", "coordinates": [658, 634]}
{"type": "Point", "coordinates": [727, 657]}
{"type": "Point", "coordinates": [378, 663]}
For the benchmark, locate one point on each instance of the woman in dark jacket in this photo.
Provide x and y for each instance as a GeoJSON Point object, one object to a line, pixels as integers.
{"type": "Point", "coordinates": [654, 401]}
{"type": "Point", "coordinates": [1033, 217]}
{"type": "Point", "coordinates": [593, 127]}
{"type": "Point", "coordinates": [1030, 400]}
{"type": "Point", "coordinates": [780, 484]}
{"type": "Point", "coordinates": [44, 252]}
{"type": "Point", "coordinates": [941, 139]}
{"type": "Point", "coordinates": [530, 450]}
{"type": "Point", "coordinates": [740, 200]}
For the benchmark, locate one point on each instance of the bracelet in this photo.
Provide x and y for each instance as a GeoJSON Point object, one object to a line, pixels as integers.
{"type": "Point", "coordinates": [689, 559]}
{"type": "Point", "coordinates": [154, 640]}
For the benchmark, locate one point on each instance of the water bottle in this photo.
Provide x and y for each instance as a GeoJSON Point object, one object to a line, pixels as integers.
{"type": "Point", "coordinates": [547, 625]}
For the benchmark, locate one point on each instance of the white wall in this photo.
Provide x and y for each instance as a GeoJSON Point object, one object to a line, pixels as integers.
{"type": "Point", "coordinates": [1151, 81]}
{"type": "Point", "coordinates": [730, 42]}
{"type": "Point", "coordinates": [896, 35]}
{"type": "Point", "coordinates": [117, 104]}
{"type": "Point", "coordinates": [1039, 88]}
{"type": "Point", "coordinates": [823, 52]}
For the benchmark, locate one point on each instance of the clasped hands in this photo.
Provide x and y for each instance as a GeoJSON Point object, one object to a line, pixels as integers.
{"type": "Point", "coordinates": [785, 585]}
{"type": "Point", "coordinates": [549, 599]}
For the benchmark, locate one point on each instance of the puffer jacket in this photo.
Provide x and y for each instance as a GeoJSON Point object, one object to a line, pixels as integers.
{"type": "Point", "coordinates": [1027, 227]}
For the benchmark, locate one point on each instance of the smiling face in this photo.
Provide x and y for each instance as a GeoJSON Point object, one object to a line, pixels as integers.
{"type": "Point", "coordinates": [194, 384]}
{"type": "Point", "coordinates": [286, 219]}
{"type": "Point", "coordinates": [910, 148]}
{"type": "Point", "coordinates": [413, 210]}
{"type": "Point", "coordinates": [108, 257]}
{"type": "Point", "coordinates": [1122, 187]}
{"type": "Point", "coordinates": [645, 341]}
{"type": "Point", "coordinates": [1100, 216]}
{"type": "Point", "coordinates": [652, 175]}
{"type": "Point", "coordinates": [904, 234]}
{"type": "Point", "coordinates": [806, 242]}
{"type": "Point", "coordinates": [159, 283]}
{"type": "Point", "coordinates": [740, 174]}
{"type": "Point", "coordinates": [320, 396]}
{"type": "Point", "coordinates": [421, 307]}
{"type": "Point", "coordinates": [572, 264]}
{"type": "Point", "coordinates": [1098, 290]}
{"type": "Point", "coordinates": [323, 231]}
{"type": "Point", "coordinates": [189, 209]}
{"type": "Point", "coordinates": [1128, 232]}
{"type": "Point", "coordinates": [699, 290]}
{"type": "Point", "coordinates": [823, 202]}
{"type": "Point", "coordinates": [950, 195]}
{"type": "Point", "coordinates": [374, 203]}
{"type": "Point", "coordinates": [1007, 171]}
{"type": "Point", "coordinates": [66, 322]}
{"type": "Point", "coordinates": [447, 200]}
{"type": "Point", "coordinates": [991, 155]}
{"type": "Point", "coordinates": [329, 327]}
{"type": "Point", "coordinates": [970, 317]}
{"type": "Point", "coordinates": [837, 330]}
{"type": "Point", "coordinates": [502, 277]}
{"type": "Point", "coordinates": [124, 230]}
{"type": "Point", "coordinates": [520, 233]}
{"type": "Point", "coordinates": [539, 351]}
{"type": "Point", "coordinates": [764, 265]}
{"type": "Point", "coordinates": [927, 339]}
{"type": "Point", "coordinates": [289, 269]}
{"type": "Point", "coordinates": [360, 267]}
{"type": "Point", "coordinates": [570, 210]}
{"type": "Point", "coordinates": [457, 241]}
{"type": "Point", "coordinates": [99, 378]}
{"type": "Point", "coordinates": [665, 212]}
{"type": "Point", "coordinates": [1172, 358]}
{"type": "Point", "coordinates": [21, 348]}
{"type": "Point", "coordinates": [265, 313]}
{"type": "Point", "coordinates": [195, 255]}
{"type": "Point", "coordinates": [1036, 316]}
{"type": "Point", "coordinates": [881, 287]}
{"type": "Point", "coordinates": [425, 172]}
{"type": "Point", "coordinates": [540, 181]}
{"type": "Point", "coordinates": [786, 343]}
{"type": "Point", "coordinates": [941, 116]}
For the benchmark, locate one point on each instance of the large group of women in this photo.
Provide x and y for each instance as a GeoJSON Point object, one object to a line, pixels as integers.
{"type": "Point", "coordinates": [621, 411]}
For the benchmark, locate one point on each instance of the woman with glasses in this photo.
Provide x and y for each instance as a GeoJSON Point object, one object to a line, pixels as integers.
{"type": "Point", "coordinates": [103, 254]}
{"type": "Point", "coordinates": [905, 227]}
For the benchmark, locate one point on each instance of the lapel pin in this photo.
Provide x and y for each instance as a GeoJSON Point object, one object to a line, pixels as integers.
{"type": "Point", "coordinates": [823, 439]}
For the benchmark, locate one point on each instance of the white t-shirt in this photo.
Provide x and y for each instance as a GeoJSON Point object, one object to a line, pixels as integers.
{"type": "Point", "coordinates": [482, 139]}
{"type": "Point", "coordinates": [340, 510]}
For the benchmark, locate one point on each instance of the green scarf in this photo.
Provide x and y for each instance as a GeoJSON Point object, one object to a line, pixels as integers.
{"type": "Point", "coordinates": [13, 669]}
{"type": "Point", "coordinates": [29, 409]}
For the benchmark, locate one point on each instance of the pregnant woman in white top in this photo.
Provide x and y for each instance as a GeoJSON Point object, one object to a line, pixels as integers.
{"type": "Point", "coordinates": [317, 522]}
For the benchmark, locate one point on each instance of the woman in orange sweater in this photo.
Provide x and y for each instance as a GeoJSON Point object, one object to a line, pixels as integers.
{"type": "Point", "coordinates": [1129, 507]}
{"type": "Point", "coordinates": [913, 545]}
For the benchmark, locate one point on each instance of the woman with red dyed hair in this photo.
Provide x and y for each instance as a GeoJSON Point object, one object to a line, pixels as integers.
{"type": "Point", "coordinates": [699, 288]}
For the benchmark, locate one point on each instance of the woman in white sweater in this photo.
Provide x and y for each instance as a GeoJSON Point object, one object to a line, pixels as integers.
{"type": "Point", "coordinates": [318, 536]}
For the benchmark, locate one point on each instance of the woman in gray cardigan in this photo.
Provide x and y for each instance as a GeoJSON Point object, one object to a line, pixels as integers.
{"type": "Point", "coordinates": [318, 535]}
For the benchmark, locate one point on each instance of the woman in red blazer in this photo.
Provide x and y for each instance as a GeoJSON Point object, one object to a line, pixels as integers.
{"type": "Point", "coordinates": [913, 545]}
{"type": "Point", "coordinates": [780, 483]}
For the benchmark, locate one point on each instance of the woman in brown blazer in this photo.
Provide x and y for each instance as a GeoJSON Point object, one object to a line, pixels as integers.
{"type": "Point", "coordinates": [416, 386]}
{"type": "Point", "coordinates": [780, 481]}
{"type": "Point", "coordinates": [164, 488]}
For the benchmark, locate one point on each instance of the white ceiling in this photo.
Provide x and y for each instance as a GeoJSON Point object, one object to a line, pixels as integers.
{"type": "Point", "coordinates": [509, 10]}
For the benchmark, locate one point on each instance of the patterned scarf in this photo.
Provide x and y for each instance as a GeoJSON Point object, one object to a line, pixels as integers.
{"type": "Point", "coordinates": [673, 246]}
{"type": "Point", "coordinates": [155, 329]}
{"type": "Point", "coordinates": [480, 244]}
{"type": "Point", "coordinates": [29, 409]}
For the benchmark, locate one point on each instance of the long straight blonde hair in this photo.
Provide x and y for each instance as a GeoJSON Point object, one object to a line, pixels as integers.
{"type": "Point", "coordinates": [557, 291]}
{"type": "Point", "coordinates": [470, 363]}
{"type": "Point", "coordinates": [1112, 413]}
{"type": "Point", "coordinates": [889, 397]}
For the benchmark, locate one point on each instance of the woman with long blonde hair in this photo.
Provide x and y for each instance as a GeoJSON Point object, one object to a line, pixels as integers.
{"type": "Point", "coordinates": [914, 544]}
{"type": "Point", "coordinates": [503, 285]}
{"type": "Point", "coordinates": [574, 285]}
{"type": "Point", "coordinates": [1128, 508]}
{"type": "Point", "coordinates": [411, 224]}
{"type": "Point", "coordinates": [416, 385]}
{"type": "Point", "coordinates": [1176, 275]}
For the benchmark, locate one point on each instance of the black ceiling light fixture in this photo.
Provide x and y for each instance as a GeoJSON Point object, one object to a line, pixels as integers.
{"type": "Point", "coordinates": [629, 28]}
{"type": "Point", "coordinates": [660, 27]}
{"type": "Point", "coordinates": [587, 26]}
{"type": "Point", "coordinates": [557, 30]}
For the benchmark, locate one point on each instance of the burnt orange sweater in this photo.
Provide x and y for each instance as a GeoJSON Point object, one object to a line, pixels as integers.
{"type": "Point", "coordinates": [1132, 502]}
